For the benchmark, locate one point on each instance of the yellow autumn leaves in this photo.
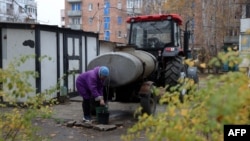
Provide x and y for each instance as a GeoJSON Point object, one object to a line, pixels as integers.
{"type": "Point", "coordinates": [195, 63]}
{"type": "Point", "coordinates": [224, 100]}
{"type": "Point", "coordinates": [16, 122]}
{"type": "Point", "coordinates": [231, 58]}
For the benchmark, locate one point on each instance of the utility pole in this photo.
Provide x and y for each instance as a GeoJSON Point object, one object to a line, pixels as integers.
{"type": "Point", "coordinates": [159, 3]}
{"type": "Point", "coordinates": [133, 9]}
{"type": "Point", "coordinates": [98, 19]}
{"type": "Point", "coordinates": [186, 39]}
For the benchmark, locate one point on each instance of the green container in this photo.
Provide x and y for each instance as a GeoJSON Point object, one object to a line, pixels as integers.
{"type": "Point", "coordinates": [102, 115]}
{"type": "Point", "coordinates": [103, 118]}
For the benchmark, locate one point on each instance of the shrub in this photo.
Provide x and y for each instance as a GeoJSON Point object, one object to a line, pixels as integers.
{"type": "Point", "coordinates": [16, 122]}
{"type": "Point", "coordinates": [224, 100]}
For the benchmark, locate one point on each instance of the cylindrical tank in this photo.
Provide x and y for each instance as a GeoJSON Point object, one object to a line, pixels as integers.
{"type": "Point", "coordinates": [126, 66]}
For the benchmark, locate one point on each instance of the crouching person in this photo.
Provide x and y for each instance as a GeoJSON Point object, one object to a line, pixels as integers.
{"type": "Point", "coordinates": [90, 87]}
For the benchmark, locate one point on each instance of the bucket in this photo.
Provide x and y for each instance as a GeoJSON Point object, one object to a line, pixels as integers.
{"type": "Point", "coordinates": [103, 118]}
{"type": "Point", "coordinates": [102, 115]}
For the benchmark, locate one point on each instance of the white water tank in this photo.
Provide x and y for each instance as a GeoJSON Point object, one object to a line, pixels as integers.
{"type": "Point", "coordinates": [126, 66]}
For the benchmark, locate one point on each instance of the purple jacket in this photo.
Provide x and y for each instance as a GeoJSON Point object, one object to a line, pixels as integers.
{"type": "Point", "coordinates": [89, 84]}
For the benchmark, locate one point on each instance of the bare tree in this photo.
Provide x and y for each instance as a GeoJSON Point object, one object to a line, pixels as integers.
{"type": "Point", "coordinates": [211, 20]}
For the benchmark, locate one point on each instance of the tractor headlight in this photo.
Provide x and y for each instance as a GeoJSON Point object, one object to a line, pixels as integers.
{"type": "Point", "coordinates": [169, 17]}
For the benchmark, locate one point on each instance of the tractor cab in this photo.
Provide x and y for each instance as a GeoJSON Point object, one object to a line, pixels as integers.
{"type": "Point", "coordinates": [155, 32]}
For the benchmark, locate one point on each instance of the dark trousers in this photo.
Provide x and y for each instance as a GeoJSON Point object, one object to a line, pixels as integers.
{"type": "Point", "coordinates": [88, 107]}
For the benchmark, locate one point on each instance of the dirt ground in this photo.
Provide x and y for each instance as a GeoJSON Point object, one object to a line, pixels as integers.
{"type": "Point", "coordinates": [59, 132]}
{"type": "Point", "coordinates": [56, 130]}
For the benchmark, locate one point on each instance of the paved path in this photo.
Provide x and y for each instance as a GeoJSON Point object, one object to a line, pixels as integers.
{"type": "Point", "coordinates": [120, 113]}
{"type": "Point", "coordinates": [72, 110]}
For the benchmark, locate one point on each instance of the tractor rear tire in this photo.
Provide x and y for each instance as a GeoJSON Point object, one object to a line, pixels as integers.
{"type": "Point", "coordinates": [174, 67]}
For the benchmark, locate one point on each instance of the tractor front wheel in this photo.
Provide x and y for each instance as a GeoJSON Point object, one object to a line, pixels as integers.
{"type": "Point", "coordinates": [148, 104]}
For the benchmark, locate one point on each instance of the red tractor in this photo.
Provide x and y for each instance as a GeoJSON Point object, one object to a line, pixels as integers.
{"type": "Point", "coordinates": [154, 56]}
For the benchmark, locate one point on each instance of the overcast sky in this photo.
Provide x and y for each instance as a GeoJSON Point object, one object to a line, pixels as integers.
{"type": "Point", "coordinates": [48, 11]}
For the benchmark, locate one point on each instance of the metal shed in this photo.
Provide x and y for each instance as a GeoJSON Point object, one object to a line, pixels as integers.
{"type": "Point", "coordinates": [69, 50]}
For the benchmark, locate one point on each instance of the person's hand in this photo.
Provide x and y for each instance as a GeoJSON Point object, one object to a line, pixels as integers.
{"type": "Point", "coordinates": [102, 102]}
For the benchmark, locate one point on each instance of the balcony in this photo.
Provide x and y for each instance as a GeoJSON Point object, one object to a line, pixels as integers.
{"type": "Point", "coordinates": [62, 13]}
{"type": "Point", "coordinates": [134, 11]}
{"type": "Point", "coordinates": [63, 23]}
{"type": "Point", "coordinates": [9, 1]}
{"type": "Point", "coordinates": [9, 11]}
{"type": "Point", "coordinates": [75, 26]}
{"type": "Point", "coordinates": [74, 1]}
{"type": "Point", "coordinates": [74, 13]}
{"type": "Point", "coordinates": [231, 39]}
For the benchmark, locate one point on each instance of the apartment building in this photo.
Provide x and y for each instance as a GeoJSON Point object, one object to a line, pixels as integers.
{"type": "Point", "coordinates": [18, 11]}
{"type": "Point", "coordinates": [106, 17]}
{"type": "Point", "coordinates": [245, 30]}
{"type": "Point", "coordinates": [62, 18]}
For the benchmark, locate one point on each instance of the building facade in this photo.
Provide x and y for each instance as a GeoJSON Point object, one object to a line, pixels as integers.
{"type": "Point", "coordinates": [106, 17]}
{"type": "Point", "coordinates": [245, 30]}
{"type": "Point", "coordinates": [217, 24]}
{"type": "Point", "coordinates": [209, 27]}
{"type": "Point", "coordinates": [18, 11]}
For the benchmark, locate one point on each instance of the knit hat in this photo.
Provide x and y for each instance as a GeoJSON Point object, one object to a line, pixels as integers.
{"type": "Point", "coordinates": [103, 71]}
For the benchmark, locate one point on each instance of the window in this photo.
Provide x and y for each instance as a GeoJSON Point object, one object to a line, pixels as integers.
{"type": "Point", "coordinates": [245, 46]}
{"type": "Point", "coordinates": [20, 9]}
{"type": "Point", "coordinates": [76, 6]}
{"type": "Point", "coordinates": [155, 34]}
{"type": "Point", "coordinates": [106, 5]}
{"type": "Point", "coordinates": [106, 26]}
{"type": "Point", "coordinates": [134, 3]}
{"type": "Point", "coordinates": [193, 23]}
{"type": "Point", "coordinates": [106, 35]}
{"type": "Point", "coordinates": [106, 9]}
{"type": "Point", "coordinates": [176, 35]}
{"type": "Point", "coordinates": [90, 20]}
{"type": "Point", "coordinates": [248, 11]}
{"type": "Point", "coordinates": [119, 20]}
{"type": "Point", "coordinates": [119, 5]}
{"type": "Point", "coordinates": [90, 6]}
{"type": "Point", "coordinates": [130, 3]}
{"type": "Point", "coordinates": [106, 23]}
{"type": "Point", "coordinates": [9, 19]}
{"type": "Point", "coordinates": [119, 34]}
{"type": "Point", "coordinates": [75, 21]}
{"type": "Point", "coordinates": [9, 9]}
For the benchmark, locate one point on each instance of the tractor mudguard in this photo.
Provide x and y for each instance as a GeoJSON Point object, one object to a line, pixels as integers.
{"type": "Point", "coordinates": [192, 73]}
{"type": "Point", "coordinates": [170, 53]}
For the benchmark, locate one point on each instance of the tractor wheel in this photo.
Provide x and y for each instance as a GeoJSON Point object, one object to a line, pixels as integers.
{"type": "Point", "coordinates": [148, 105]}
{"type": "Point", "coordinates": [174, 67]}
